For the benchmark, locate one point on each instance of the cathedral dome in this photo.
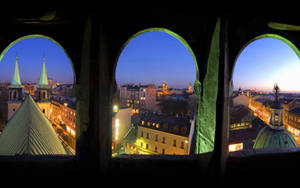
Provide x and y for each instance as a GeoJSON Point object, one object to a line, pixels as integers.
{"type": "Point", "coordinates": [274, 138]}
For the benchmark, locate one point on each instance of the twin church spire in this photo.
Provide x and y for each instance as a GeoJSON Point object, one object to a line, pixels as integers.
{"type": "Point", "coordinates": [16, 81]}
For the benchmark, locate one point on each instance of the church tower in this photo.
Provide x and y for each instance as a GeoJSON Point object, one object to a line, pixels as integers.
{"type": "Point", "coordinates": [276, 119]}
{"type": "Point", "coordinates": [43, 94]}
{"type": "Point", "coordinates": [15, 92]}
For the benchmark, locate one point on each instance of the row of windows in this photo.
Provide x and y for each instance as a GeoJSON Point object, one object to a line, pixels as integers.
{"type": "Point", "coordinates": [149, 124]}
{"type": "Point", "coordinates": [294, 118]}
{"type": "Point", "coordinates": [183, 130]}
{"type": "Point", "coordinates": [155, 148]}
{"type": "Point", "coordinates": [239, 125]}
{"type": "Point", "coordinates": [156, 139]}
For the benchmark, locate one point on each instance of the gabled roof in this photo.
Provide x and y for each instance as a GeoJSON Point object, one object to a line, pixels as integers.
{"type": "Point", "coordinates": [29, 132]}
{"type": "Point", "coordinates": [15, 81]}
{"type": "Point", "coordinates": [43, 77]}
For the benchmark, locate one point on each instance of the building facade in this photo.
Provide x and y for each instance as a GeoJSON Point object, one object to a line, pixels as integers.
{"type": "Point", "coordinates": [138, 97]}
{"type": "Point", "coordinates": [160, 134]}
{"type": "Point", "coordinates": [260, 109]}
{"type": "Point", "coordinates": [121, 124]}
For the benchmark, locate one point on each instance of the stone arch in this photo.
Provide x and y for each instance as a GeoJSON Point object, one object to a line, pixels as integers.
{"type": "Point", "coordinates": [42, 94]}
{"type": "Point", "coordinates": [262, 36]}
{"type": "Point", "coordinates": [173, 34]}
{"type": "Point", "coordinates": [178, 37]}
{"type": "Point", "coordinates": [40, 36]}
{"type": "Point", "coordinates": [267, 35]}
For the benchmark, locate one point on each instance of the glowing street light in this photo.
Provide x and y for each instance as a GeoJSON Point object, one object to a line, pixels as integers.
{"type": "Point", "coordinates": [115, 108]}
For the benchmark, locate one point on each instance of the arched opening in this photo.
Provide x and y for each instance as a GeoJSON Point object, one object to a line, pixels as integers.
{"type": "Point", "coordinates": [264, 103]}
{"type": "Point", "coordinates": [38, 68]}
{"type": "Point", "coordinates": [155, 99]}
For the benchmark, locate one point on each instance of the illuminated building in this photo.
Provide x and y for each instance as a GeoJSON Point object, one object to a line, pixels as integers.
{"type": "Point", "coordinates": [260, 108]}
{"type": "Point", "coordinates": [121, 124]}
{"type": "Point", "coordinates": [162, 91]}
{"type": "Point", "coordinates": [243, 129]}
{"type": "Point", "coordinates": [275, 135]}
{"type": "Point", "coordinates": [138, 98]}
{"type": "Point", "coordinates": [241, 118]}
{"type": "Point", "coordinates": [64, 118]}
{"type": "Point", "coordinates": [15, 92]}
{"type": "Point", "coordinates": [29, 88]}
{"type": "Point", "coordinates": [291, 117]}
{"type": "Point", "coordinates": [190, 89]}
{"type": "Point", "coordinates": [160, 134]}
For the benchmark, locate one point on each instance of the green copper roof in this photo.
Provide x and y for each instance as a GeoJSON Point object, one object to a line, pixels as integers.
{"type": "Point", "coordinates": [29, 132]}
{"type": "Point", "coordinates": [16, 76]}
{"type": "Point", "coordinates": [274, 138]}
{"type": "Point", "coordinates": [43, 78]}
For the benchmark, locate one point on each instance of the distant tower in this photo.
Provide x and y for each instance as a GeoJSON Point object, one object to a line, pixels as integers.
{"type": "Point", "coordinates": [15, 92]}
{"type": "Point", "coordinates": [190, 89]}
{"type": "Point", "coordinates": [165, 86]}
{"type": "Point", "coordinates": [43, 94]}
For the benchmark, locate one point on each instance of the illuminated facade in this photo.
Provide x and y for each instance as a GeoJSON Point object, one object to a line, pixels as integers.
{"type": "Point", "coordinates": [159, 134]}
{"type": "Point", "coordinates": [163, 90]}
{"type": "Point", "coordinates": [290, 114]}
{"type": "Point", "coordinates": [260, 109]}
{"type": "Point", "coordinates": [64, 118]}
{"type": "Point", "coordinates": [121, 124]}
{"type": "Point", "coordinates": [29, 88]}
{"type": "Point", "coordinates": [190, 89]}
{"type": "Point", "coordinates": [291, 117]}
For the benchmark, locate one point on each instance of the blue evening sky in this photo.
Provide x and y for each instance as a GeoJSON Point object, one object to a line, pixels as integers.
{"type": "Point", "coordinates": [30, 58]}
{"type": "Point", "coordinates": [154, 57]}
{"type": "Point", "coordinates": [265, 62]}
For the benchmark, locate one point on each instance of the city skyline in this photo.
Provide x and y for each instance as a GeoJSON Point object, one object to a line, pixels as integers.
{"type": "Point", "coordinates": [154, 57]}
{"type": "Point", "coordinates": [265, 62]}
{"type": "Point", "coordinates": [30, 53]}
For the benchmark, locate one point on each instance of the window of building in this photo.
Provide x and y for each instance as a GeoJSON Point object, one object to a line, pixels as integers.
{"type": "Point", "coordinates": [157, 125]}
{"type": "Point", "coordinates": [182, 145]}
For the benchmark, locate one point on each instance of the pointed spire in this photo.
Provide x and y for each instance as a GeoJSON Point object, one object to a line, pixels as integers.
{"type": "Point", "coordinates": [16, 76]}
{"type": "Point", "coordinates": [43, 78]}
